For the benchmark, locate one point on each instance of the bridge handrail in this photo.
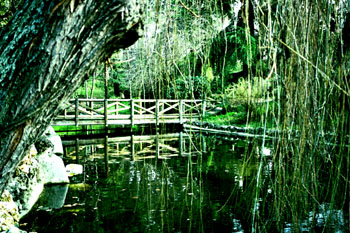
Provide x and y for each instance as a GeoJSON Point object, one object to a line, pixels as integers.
{"type": "Point", "coordinates": [156, 109]}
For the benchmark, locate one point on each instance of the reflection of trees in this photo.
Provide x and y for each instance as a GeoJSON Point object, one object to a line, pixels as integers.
{"type": "Point", "coordinates": [155, 193]}
{"type": "Point", "coordinates": [213, 190]}
{"type": "Point", "coordinates": [180, 193]}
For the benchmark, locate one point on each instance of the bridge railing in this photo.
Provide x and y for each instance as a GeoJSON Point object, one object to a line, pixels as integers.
{"type": "Point", "coordinates": [131, 111]}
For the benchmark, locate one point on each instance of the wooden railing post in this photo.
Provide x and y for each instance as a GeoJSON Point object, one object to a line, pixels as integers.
{"type": "Point", "coordinates": [141, 104]}
{"type": "Point", "coordinates": [157, 112]}
{"type": "Point", "coordinates": [132, 108]}
{"type": "Point", "coordinates": [106, 112]}
{"type": "Point", "coordinates": [76, 112]}
{"type": "Point", "coordinates": [180, 111]}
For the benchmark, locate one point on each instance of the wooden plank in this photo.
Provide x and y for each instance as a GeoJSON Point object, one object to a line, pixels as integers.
{"type": "Point", "coordinates": [149, 110]}
{"type": "Point", "coordinates": [117, 104]}
{"type": "Point", "coordinates": [169, 108]}
{"type": "Point", "coordinates": [90, 113]}
{"type": "Point", "coordinates": [161, 145]}
{"type": "Point", "coordinates": [157, 112]}
{"type": "Point", "coordinates": [192, 101]}
{"type": "Point", "coordinates": [167, 100]}
{"type": "Point", "coordinates": [124, 106]}
{"type": "Point", "coordinates": [132, 111]}
{"type": "Point", "coordinates": [191, 107]}
{"type": "Point", "coordinates": [181, 111]}
{"type": "Point", "coordinates": [118, 117]}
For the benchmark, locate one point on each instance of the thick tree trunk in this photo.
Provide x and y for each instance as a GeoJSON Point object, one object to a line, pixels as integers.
{"type": "Point", "coordinates": [47, 49]}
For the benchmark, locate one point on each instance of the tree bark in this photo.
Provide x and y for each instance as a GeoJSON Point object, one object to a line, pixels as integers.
{"type": "Point", "coordinates": [47, 49]}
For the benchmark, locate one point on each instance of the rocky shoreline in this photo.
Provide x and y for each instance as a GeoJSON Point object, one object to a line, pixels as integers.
{"type": "Point", "coordinates": [42, 165]}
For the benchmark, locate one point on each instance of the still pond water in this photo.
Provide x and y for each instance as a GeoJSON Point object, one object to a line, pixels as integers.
{"type": "Point", "coordinates": [179, 182]}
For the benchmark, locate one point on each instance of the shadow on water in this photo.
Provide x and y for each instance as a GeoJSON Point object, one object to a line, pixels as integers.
{"type": "Point", "coordinates": [178, 182]}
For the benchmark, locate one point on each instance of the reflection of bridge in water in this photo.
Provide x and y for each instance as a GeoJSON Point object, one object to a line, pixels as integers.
{"type": "Point", "coordinates": [131, 111]}
{"type": "Point", "coordinates": [133, 147]}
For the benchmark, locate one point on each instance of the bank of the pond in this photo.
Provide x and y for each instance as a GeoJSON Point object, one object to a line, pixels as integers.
{"type": "Point", "coordinates": [235, 124]}
{"type": "Point", "coordinates": [42, 165]}
{"type": "Point", "coordinates": [232, 130]}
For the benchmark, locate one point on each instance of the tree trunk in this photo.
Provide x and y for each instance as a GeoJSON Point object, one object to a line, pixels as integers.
{"type": "Point", "coordinates": [47, 49]}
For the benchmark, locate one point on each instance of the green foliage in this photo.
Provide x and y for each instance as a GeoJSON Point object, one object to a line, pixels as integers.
{"type": "Point", "coordinates": [7, 9]}
{"type": "Point", "coordinates": [245, 91]}
{"type": "Point", "coordinates": [120, 72]}
{"type": "Point", "coordinates": [238, 116]}
{"type": "Point", "coordinates": [233, 49]}
{"type": "Point", "coordinates": [209, 74]}
{"type": "Point", "coordinates": [247, 101]}
{"type": "Point", "coordinates": [4, 12]}
{"type": "Point", "coordinates": [189, 88]}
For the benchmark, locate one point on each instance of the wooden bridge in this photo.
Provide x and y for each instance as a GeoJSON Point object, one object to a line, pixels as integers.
{"type": "Point", "coordinates": [131, 111]}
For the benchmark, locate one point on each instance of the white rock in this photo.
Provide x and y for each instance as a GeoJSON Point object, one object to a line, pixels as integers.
{"type": "Point", "coordinates": [57, 144]}
{"type": "Point", "coordinates": [30, 197]}
{"type": "Point", "coordinates": [74, 169]}
{"type": "Point", "coordinates": [53, 196]}
{"type": "Point", "coordinates": [52, 168]}
{"type": "Point", "coordinates": [15, 229]}
{"type": "Point", "coordinates": [50, 131]}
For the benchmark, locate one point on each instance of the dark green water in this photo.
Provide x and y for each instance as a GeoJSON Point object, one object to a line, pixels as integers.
{"type": "Point", "coordinates": [185, 183]}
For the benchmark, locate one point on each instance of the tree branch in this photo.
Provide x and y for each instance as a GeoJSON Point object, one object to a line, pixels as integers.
{"type": "Point", "coordinates": [188, 9]}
